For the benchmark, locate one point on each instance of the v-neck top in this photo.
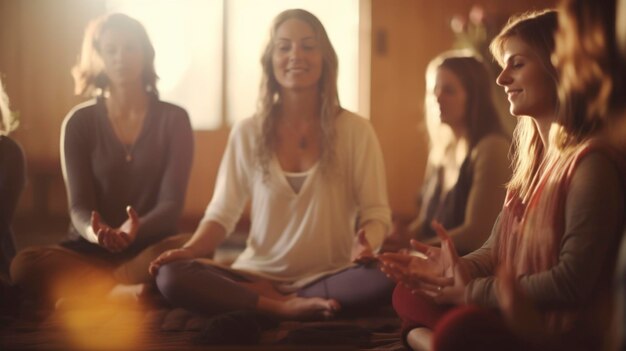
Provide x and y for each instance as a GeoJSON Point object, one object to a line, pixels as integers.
{"type": "Point", "coordinates": [296, 179]}
{"type": "Point", "coordinates": [297, 236]}
{"type": "Point", "coordinates": [99, 177]}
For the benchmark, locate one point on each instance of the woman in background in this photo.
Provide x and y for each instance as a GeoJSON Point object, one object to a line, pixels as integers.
{"type": "Point", "coordinates": [467, 164]}
{"type": "Point", "coordinates": [126, 158]}
{"type": "Point", "coordinates": [12, 179]}
{"type": "Point", "coordinates": [557, 232]}
{"type": "Point", "coordinates": [310, 169]}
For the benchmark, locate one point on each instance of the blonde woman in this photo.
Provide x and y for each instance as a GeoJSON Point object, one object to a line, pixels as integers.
{"type": "Point", "coordinates": [310, 169]}
{"type": "Point", "coordinates": [557, 232]}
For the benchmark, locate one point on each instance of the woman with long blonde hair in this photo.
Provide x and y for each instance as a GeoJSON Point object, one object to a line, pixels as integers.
{"type": "Point", "coordinates": [556, 233]}
{"type": "Point", "coordinates": [313, 173]}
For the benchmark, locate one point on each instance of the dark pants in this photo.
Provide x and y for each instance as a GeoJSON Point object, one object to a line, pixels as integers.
{"type": "Point", "coordinates": [51, 272]}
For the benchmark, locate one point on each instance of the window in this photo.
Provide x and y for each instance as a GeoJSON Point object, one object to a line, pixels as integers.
{"type": "Point", "coordinates": [208, 51]}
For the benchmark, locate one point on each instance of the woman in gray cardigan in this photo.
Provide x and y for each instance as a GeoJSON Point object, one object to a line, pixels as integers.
{"type": "Point", "coordinates": [126, 158]}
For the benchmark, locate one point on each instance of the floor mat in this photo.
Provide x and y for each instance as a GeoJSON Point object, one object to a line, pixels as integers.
{"type": "Point", "coordinates": [114, 327]}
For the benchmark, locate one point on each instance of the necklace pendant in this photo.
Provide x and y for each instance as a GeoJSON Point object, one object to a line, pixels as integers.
{"type": "Point", "coordinates": [303, 144]}
{"type": "Point", "coordinates": [128, 158]}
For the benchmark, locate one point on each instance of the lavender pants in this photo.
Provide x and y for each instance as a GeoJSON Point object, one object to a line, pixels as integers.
{"type": "Point", "coordinates": [206, 288]}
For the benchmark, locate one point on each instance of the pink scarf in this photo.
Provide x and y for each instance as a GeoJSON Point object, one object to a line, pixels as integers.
{"type": "Point", "coordinates": [530, 234]}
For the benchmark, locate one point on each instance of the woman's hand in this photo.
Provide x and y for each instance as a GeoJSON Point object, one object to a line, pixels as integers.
{"type": "Point", "coordinates": [452, 293]}
{"type": "Point", "coordinates": [168, 257]}
{"type": "Point", "coordinates": [361, 249]}
{"type": "Point", "coordinates": [116, 240]}
{"type": "Point", "coordinates": [431, 271]}
{"type": "Point", "coordinates": [428, 268]}
{"type": "Point", "coordinates": [422, 269]}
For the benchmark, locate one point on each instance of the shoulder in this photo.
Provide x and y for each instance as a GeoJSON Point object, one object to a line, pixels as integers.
{"type": "Point", "coordinates": [248, 126]}
{"type": "Point", "coordinates": [349, 119]}
{"type": "Point", "coordinates": [170, 109]}
{"type": "Point", "coordinates": [83, 110]}
{"type": "Point", "coordinates": [491, 146]}
{"type": "Point", "coordinates": [170, 115]}
{"type": "Point", "coordinates": [597, 181]}
{"type": "Point", "coordinates": [245, 132]}
{"type": "Point", "coordinates": [9, 146]}
{"type": "Point", "coordinates": [493, 142]}
{"type": "Point", "coordinates": [351, 127]}
{"type": "Point", "coordinates": [600, 165]}
{"type": "Point", "coordinates": [81, 114]}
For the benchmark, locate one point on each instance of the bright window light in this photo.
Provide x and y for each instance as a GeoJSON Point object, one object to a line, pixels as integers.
{"type": "Point", "coordinates": [191, 48]}
{"type": "Point", "coordinates": [187, 38]}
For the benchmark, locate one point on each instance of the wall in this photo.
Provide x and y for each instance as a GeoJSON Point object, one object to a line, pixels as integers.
{"type": "Point", "coordinates": [39, 42]}
{"type": "Point", "coordinates": [406, 35]}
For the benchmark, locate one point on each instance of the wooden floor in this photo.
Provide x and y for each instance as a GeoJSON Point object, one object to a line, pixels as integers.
{"type": "Point", "coordinates": [151, 327]}
{"type": "Point", "coordinates": [167, 329]}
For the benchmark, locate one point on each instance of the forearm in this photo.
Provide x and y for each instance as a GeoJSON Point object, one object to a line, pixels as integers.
{"type": "Point", "coordinates": [164, 217]}
{"type": "Point", "coordinates": [81, 221]}
{"type": "Point", "coordinates": [206, 239]}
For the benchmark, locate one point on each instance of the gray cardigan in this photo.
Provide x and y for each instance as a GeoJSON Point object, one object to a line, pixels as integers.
{"type": "Point", "coordinates": [99, 177]}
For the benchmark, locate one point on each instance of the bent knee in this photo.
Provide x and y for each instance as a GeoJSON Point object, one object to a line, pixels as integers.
{"type": "Point", "coordinates": [27, 264]}
{"type": "Point", "coordinates": [32, 271]}
{"type": "Point", "coordinates": [172, 278]}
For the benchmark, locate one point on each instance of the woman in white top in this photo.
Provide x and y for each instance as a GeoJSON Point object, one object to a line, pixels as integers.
{"type": "Point", "coordinates": [314, 175]}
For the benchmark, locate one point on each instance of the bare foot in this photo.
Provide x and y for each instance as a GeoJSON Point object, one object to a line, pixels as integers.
{"type": "Point", "coordinates": [420, 339]}
{"type": "Point", "coordinates": [122, 292]}
{"type": "Point", "coordinates": [301, 308]}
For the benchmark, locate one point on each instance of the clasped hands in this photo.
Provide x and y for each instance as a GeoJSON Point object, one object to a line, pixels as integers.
{"type": "Point", "coordinates": [429, 271]}
{"type": "Point", "coordinates": [116, 239]}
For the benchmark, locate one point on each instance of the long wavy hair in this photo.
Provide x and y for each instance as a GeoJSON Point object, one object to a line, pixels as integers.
{"type": "Point", "coordinates": [89, 76]}
{"type": "Point", "coordinates": [270, 99]}
{"type": "Point", "coordinates": [537, 30]}
{"type": "Point", "coordinates": [592, 72]}
{"type": "Point", "coordinates": [8, 120]}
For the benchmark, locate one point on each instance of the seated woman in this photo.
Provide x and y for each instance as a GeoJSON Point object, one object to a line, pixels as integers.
{"type": "Point", "coordinates": [584, 68]}
{"type": "Point", "coordinates": [313, 172]}
{"type": "Point", "coordinates": [12, 180]}
{"type": "Point", "coordinates": [126, 158]}
{"type": "Point", "coordinates": [557, 232]}
{"type": "Point", "coordinates": [467, 164]}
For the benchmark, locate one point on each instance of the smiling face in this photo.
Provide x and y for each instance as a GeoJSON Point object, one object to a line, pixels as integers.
{"type": "Point", "coordinates": [122, 56]}
{"type": "Point", "coordinates": [451, 98]}
{"type": "Point", "coordinates": [530, 89]}
{"type": "Point", "coordinates": [296, 56]}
